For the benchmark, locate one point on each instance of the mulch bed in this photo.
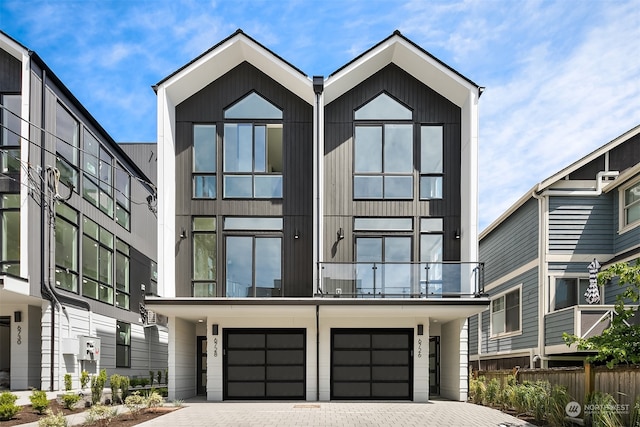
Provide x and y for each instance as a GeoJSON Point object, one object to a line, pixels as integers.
{"type": "Point", "coordinates": [29, 415]}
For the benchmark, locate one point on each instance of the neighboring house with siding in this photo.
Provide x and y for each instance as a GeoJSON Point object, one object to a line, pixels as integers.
{"type": "Point", "coordinates": [78, 237]}
{"type": "Point", "coordinates": [318, 236]}
{"type": "Point", "coordinates": [537, 254]}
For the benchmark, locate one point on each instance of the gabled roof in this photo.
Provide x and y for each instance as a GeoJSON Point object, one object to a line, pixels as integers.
{"type": "Point", "coordinates": [409, 56]}
{"type": "Point", "coordinates": [222, 57]}
{"type": "Point", "coordinates": [562, 174]}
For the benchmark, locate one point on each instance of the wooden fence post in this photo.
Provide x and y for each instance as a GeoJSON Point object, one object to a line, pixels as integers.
{"type": "Point", "coordinates": [589, 381]}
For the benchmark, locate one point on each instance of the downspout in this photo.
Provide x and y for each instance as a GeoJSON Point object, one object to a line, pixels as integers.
{"type": "Point", "coordinates": [317, 353]}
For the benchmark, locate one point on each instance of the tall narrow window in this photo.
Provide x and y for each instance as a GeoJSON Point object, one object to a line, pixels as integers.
{"type": "Point", "coordinates": [66, 248]}
{"type": "Point", "coordinates": [67, 144]}
{"type": "Point", "coordinates": [204, 256]}
{"type": "Point", "coordinates": [204, 161]}
{"type": "Point", "coordinates": [123, 345]}
{"type": "Point", "coordinates": [123, 197]}
{"type": "Point", "coordinates": [122, 274]}
{"type": "Point", "coordinates": [432, 274]}
{"type": "Point", "coordinates": [97, 262]}
{"type": "Point", "coordinates": [383, 265]}
{"type": "Point", "coordinates": [10, 125]}
{"type": "Point", "coordinates": [252, 150]}
{"type": "Point", "coordinates": [383, 150]}
{"type": "Point", "coordinates": [97, 182]}
{"type": "Point", "coordinates": [632, 204]}
{"type": "Point", "coordinates": [431, 160]}
{"type": "Point", "coordinates": [10, 233]}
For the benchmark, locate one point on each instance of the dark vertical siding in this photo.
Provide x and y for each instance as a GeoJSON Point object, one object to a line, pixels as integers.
{"type": "Point", "coordinates": [10, 73]}
{"type": "Point", "coordinates": [296, 206]}
{"type": "Point", "coordinates": [473, 335]}
{"type": "Point", "coordinates": [428, 108]}
{"type": "Point", "coordinates": [625, 155]}
{"type": "Point", "coordinates": [513, 244]}
{"type": "Point", "coordinates": [581, 225]}
{"type": "Point", "coordinates": [590, 170]}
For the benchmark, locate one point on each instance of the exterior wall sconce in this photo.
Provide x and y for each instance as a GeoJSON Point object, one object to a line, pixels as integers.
{"type": "Point", "coordinates": [296, 235]}
{"type": "Point", "coordinates": [457, 234]}
{"type": "Point", "coordinates": [340, 234]}
{"type": "Point", "coordinates": [420, 329]}
{"type": "Point", "coordinates": [183, 233]}
{"type": "Point", "coordinates": [17, 316]}
{"type": "Point", "coordinates": [214, 329]}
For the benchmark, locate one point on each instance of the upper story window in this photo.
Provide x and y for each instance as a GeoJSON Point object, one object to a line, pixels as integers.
{"type": "Point", "coordinates": [66, 247]}
{"type": "Point", "coordinates": [253, 250]}
{"type": "Point", "coordinates": [97, 182]}
{"type": "Point", "coordinates": [203, 232]}
{"type": "Point", "coordinates": [506, 313]}
{"type": "Point", "coordinates": [123, 197]}
{"type": "Point", "coordinates": [123, 344]}
{"type": "Point", "coordinates": [122, 274]}
{"type": "Point", "coordinates": [67, 144]}
{"type": "Point", "coordinates": [383, 150]}
{"type": "Point", "coordinates": [97, 262]}
{"type": "Point", "coordinates": [10, 234]}
{"type": "Point", "coordinates": [204, 161]}
{"type": "Point", "coordinates": [431, 160]}
{"type": "Point", "coordinates": [10, 125]}
{"type": "Point", "coordinates": [252, 149]}
{"type": "Point", "coordinates": [632, 205]}
{"type": "Point", "coordinates": [432, 273]}
{"type": "Point", "coordinates": [570, 291]}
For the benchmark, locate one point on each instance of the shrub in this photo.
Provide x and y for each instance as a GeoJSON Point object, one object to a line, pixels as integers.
{"type": "Point", "coordinates": [97, 385]}
{"type": "Point", "coordinates": [8, 410]}
{"type": "Point", "coordinates": [134, 403]}
{"type": "Point", "coordinates": [154, 400]}
{"type": "Point", "coordinates": [115, 383]}
{"type": "Point", "coordinates": [84, 379]}
{"type": "Point", "coordinates": [53, 420]}
{"type": "Point", "coordinates": [67, 382]}
{"type": "Point", "coordinates": [557, 405]}
{"type": "Point", "coordinates": [493, 392]}
{"type": "Point", "coordinates": [39, 400]}
{"type": "Point", "coordinates": [164, 392]}
{"type": "Point", "coordinates": [178, 403]}
{"type": "Point", "coordinates": [152, 375]}
{"type": "Point", "coordinates": [69, 400]}
{"type": "Point", "coordinates": [101, 415]}
{"type": "Point", "coordinates": [634, 418]}
{"type": "Point", "coordinates": [477, 390]}
{"type": "Point", "coordinates": [603, 413]}
{"type": "Point", "coordinates": [124, 387]}
{"type": "Point", "coordinates": [7, 397]}
{"type": "Point", "coordinates": [159, 377]}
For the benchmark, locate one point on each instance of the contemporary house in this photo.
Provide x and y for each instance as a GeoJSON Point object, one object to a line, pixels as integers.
{"type": "Point", "coordinates": [78, 237]}
{"type": "Point", "coordinates": [317, 236]}
{"type": "Point", "coordinates": [540, 253]}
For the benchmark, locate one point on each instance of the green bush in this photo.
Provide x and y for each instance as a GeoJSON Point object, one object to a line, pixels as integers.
{"type": "Point", "coordinates": [69, 400]}
{"type": "Point", "coordinates": [493, 392]}
{"type": "Point", "coordinates": [159, 376]}
{"type": "Point", "coordinates": [8, 411]}
{"type": "Point", "coordinates": [134, 403]}
{"type": "Point", "coordinates": [7, 397]}
{"type": "Point", "coordinates": [557, 405]}
{"type": "Point", "coordinates": [67, 382]}
{"type": "Point", "coordinates": [634, 418]}
{"type": "Point", "coordinates": [39, 400]}
{"type": "Point", "coordinates": [101, 415]}
{"type": "Point", "coordinates": [124, 387]}
{"type": "Point", "coordinates": [97, 385]}
{"type": "Point", "coordinates": [84, 379]}
{"type": "Point", "coordinates": [115, 382]}
{"type": "Point", "coordinates": [154, 400]}
{"type": "Point", "coordinates": [603, 413]}
{"type": "Point", "coordinates": [53, 420]}
{"type": "Point", "coordinates": [152, 375]}
{"type": "Point", "coordinates": [477, 389]}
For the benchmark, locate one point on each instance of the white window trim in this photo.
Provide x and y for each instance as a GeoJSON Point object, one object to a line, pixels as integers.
{"type": "Point", "coordinates": [552, 291]}
{"type": "Point", "coordinates": [622, 227]}
{"type": "Point", "coordinates": [495, 297]}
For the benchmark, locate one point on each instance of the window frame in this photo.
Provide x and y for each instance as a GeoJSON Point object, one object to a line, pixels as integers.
{"type": "Point", "coordinates": [6, 264]}
{"type": "Point", "coordinates": [120, 171]}
{"type": "Point", "coordinates": [126, 345]}
{"type": "Point", "coordinates": [204, 174]}
{"type": "Point", "coordinates": [104, 190]}
{"type": "Point", "coordinates": [58, 267]}
{"type": "Point", "coordinates": [503, 295]}
{"type": "Point", "coordinates": [431, 174]}
{"type": "Point", "coordinates": [98, 280]}
{"type": "Point", "coordinates": [10, 161]}
{"type": "Point", "coordinates": [579, 296]}
{"type": "Point", "coordinates": [119, 250]}
{"type": "Point", "coordinates": [623, 226]}
{"type": "Point", "coordinates": [213, 283]}
{"type": "Point", "coordinates": [425, 230]}
{"type": "Point", "coordinates": [61, 161]}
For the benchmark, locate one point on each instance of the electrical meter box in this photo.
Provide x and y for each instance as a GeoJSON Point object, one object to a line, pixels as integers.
{"type": "Point", "coordinates": [89, 348]}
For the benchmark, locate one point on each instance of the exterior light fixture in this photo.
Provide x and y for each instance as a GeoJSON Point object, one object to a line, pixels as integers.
{"type": "Point", "coordinates": [340, 234]}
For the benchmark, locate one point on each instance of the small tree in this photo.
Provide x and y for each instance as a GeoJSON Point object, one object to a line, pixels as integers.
{"type": "Point", "coordinates": [39, 400]}
{"type": "Point", "coordinates": [67, 382]}
{"type": "Point", "coordinates": [620, 342]}
{"type": "Point", "coordinates": [84, 379]}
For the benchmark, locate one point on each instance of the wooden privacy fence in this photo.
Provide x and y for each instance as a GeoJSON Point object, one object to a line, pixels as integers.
{"type": "Point", "coordinates": [623, 382]}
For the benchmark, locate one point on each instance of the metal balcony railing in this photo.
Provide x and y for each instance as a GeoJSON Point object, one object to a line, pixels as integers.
{"type": "Point", "coordinates": [400, 280]}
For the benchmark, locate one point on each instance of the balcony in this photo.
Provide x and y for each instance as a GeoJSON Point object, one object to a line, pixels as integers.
{"type": "Point", "coordinates": [400, 280]}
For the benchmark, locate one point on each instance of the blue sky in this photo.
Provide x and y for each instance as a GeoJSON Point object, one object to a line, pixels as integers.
{"type": "Point", "coordinates": [562, 77]}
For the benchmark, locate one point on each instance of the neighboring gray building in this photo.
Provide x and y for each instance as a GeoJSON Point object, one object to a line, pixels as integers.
{"type": "Point", "coordinates": [317, 236]}
{"type": "Point", "coordinates": [78, 237]}
{"type": "Point", "coordinates": [537, 256]}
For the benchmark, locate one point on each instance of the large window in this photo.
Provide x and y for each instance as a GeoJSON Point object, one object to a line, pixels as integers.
{"type": "Point", "coordinates": [505, 313]}
{"type": "Point", "coordinates": [253, 257]}
{"type": "Point", "coordinates": [66, 248]}
{"type": "Point", "coordinates": [204, 161]}
{"type": "Point", "coordinates": [97, 183]}
{"type": "Point", "coordinates": [383, 150]}
{"type": "Point", "coordinates": [97, 262]}
{"type": "Point", "coordinates": [10, 124]}
{"type": "Point", "coordinates": [432, 272]}
{"type": "Point", "coordinates": [204, 256]}
{"type": "Point", "coordinates": [123, 345]}
{"type": "Point", "coordinates": [123, 197]}
{"type": "Point", "coordinates": [570, 291]}
{"type": "Point", "coordinates": [122, 274]}
{"type": "Point", "coordinates": [252, 150]}
{"type": "Point", "coordinates": [431, 159]}
{"type": "Point", "coordinates": [632, 204]}
{"type": "Point", "coordinates": [67, 143]}
{"type": "Point", "coordinates": [10, 233]}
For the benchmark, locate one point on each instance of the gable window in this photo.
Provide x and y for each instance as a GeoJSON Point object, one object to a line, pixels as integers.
{"type": "Point", "coordinates": [431, 270]}
{"type": "Point", "coordinates": [97, 183]}
{"type": "Point", "coordinates": [122, 274]}
{"type": "Point", "coordinates": [383, 150]}
{"type": "Point", "coordinates": [66, 248]}
{"type": "Point", "coordinates": [204, 161]}
{"type": "Point", "coordinates": [10, 234]}
{"type": "Point", "coordinates": [123, 345]}
{"type": "Point", "coordinates": [10, 124]}
{"type": "Point", "coordinates": [97, 262]}
{"type": "Point", "coordinates": [123, 197]}
{"type": "Point", "coordinates": [632, 205]}
{"type": "Point", "coordinates": [204, 256]}
{"type": "Point", "coordinates": [67, 144]}
{"type": "Point", "coordinates": [431, 155]}
{"type": "Point", "coordinates": [253, 257]}
{"type": "Point", "coordinates": [570, 291]}
{"type": "Point", "coordinates": [505, 313]}
{"type": "Point", "coordinates": [252, 150]}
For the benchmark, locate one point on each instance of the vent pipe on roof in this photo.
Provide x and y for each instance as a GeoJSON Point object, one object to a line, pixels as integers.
{"type": "Point", "coordinates": [595, 192]}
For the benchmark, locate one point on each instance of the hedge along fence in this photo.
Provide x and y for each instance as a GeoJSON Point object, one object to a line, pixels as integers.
{"type": "Point", "coordinates": [622, 382]}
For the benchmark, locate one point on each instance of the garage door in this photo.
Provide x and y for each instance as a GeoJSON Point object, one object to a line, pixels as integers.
{"type": "Point", "coordinates": [264, 363]}
{"type": "Point", "coordinates": [371, 364]}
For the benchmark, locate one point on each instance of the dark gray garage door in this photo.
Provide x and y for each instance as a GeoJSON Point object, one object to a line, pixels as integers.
{"type": "Point", "coordinates": [371, 364]}
{"type": "Point", "coordinates": [264, 363]}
